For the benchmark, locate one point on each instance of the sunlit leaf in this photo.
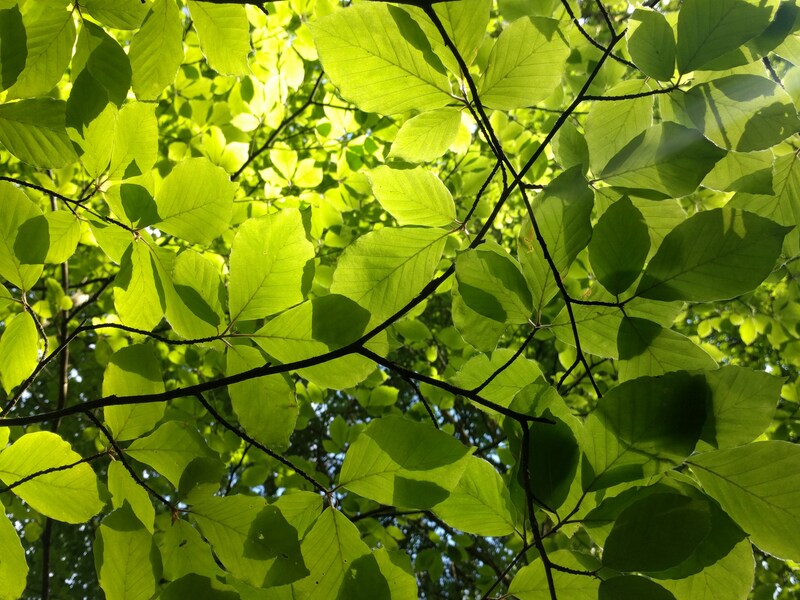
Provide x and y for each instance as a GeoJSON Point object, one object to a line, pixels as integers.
{"type": "Point", "coordinates": [757, 486]}
{"type": "Point", "coordinates": [376, 55]}
{"type": "Point", "coordinates": [71, 495]}
{"type": "Point", "coordinates": [739, 250]}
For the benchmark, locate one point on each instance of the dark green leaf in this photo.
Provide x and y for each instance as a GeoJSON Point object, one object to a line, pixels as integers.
{"type": "Point", "coordinates": [738, 252]}
{"type": "Point", "coordinates": [620, 244]}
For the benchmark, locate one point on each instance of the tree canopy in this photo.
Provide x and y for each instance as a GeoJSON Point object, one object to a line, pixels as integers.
{"type": "Point", "coordinates": [321, 299]}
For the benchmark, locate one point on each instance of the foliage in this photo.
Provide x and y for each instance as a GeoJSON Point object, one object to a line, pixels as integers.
{"type": "Point", "coordinates": [456, 299]}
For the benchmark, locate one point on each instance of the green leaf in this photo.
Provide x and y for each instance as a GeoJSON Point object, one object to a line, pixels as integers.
{"type": "Point", "coordinates": [598, 326]}
{"type": "Point", "coordinates": [632, 587]}
{"type": "Point", "coordinates": [156, 50]}
{"type": "Point", "coordinates": [758, 487]}
{"type": "Point", "coordinates": [739, 250]}
{"type": "Point", "coordinates": [18, 210]}
{"type": "Point", "coordinates": [364, 581]}
{"type": "Point", "coordinates": [552, 461]}
{"type": "Point", "coordinates": [386, 268]}
{"type": "Point", "coordinates": [465, 23]}
{"type": "Point", "coordinates": [50, 35]}
{"type": "Point", "coordinates": [619, 246]}
{"type": "Point", "coordinates": [427, 136]}
{"type": "Point", "coordinates": [731, 577]}
{"type": "Point", "coordinates": [195, 201]}
{"type": "Point", "coordinates": [329, 549]}
{"type": "Point", "coordinates": [138, 288]}
{"type": "Point", "coordinates": [563, 212]}
{"type": "Point", "coordinates": [252, 540]}
{"type": "Point", "coordinates": [266, 406]}
{"type": "Point", "coordinates": [478, 331]}
{"type": "Point", "coordinates": [13, 567]}
{"type": "Point", "coordinates": [480, 503]}
{"type": "Point", "coordinates": [124, 489]}
{"type": "Point", "coordinates": [783, 206]}
{"type": "Point", "coordinates": [300, 509]}
{"type": "Point", "coordinates": [101, 56]}
{"type": "Point", "coordinates": [131, 371]}
{"type": "Point", "coordinates": [135, 145]}
{"type": "Point", "coordinates": [126, 557]}
{"type": "Point", "coordinates": [198, 586]}
{"type": "Point", "coordinates": [742, 112]}
{"type": "Point", "coordinates": [268, 259]}
{"type": "Point", "coordinates": [749, 172]}
{"type": "Point", "coordinates": [70, 495]}
{"type": "Point", "coordinates": [656, 532]}
{"type": "Point", "coordinates": [195, 309]}
{"type": "Point", "coordinates": [14, 50]}
{"type": "Point", "coordinates": [63, 235]}
{"type": "Point", "coordinates": [184, 551]}
{"type": "Point", "coordinates": [224, 36]}
{"type": "Point", "coordinates": [743, 403]}
{"type": "Point", "coordinates": [413, 196]}
{"type": "Point", "coordinates": [530, 582]}
{"type": "Point", "coordinates": [402, 463]}
{"type": "Point", "coordinates": [570, 148]}
{"type": "Point", "coordinates": [707, 29]}
{"type": "Point", "coordinates": [491, 283]}
{"type": "Point", "coordinates": [611, 125]}
{"type": "Point", "coordinates": [666, 160]}
{"type": "Point", "coordinates": [396, 569]}
{"type": "Point", "coordinates": [169, 449]}
{"type": "Point", "coordinates": [119, 14]}
{"type": "Point", "coordinates": [19, 350]}
{"type": "Point", "coordinates": [507, 382]}
{"type": "Point", "coordinates": [643, 427]}
{"type": "Point", "coordinates": [525, 65]}
{"type": "Point", "coordinates": [305, 332]}
{"type": "Point", "coordinates": [647, 348]}
{"type": "Point", "coordinates": [34, 131]}
{"type": "Point", "coordinates": [651, 43]}
{"type": "Point", "coordinates": [380, 59]}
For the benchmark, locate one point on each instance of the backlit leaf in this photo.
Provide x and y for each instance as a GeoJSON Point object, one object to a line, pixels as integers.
{"type": "Point", "coordinates": [427, 136]}
{"type": "Point", "coordinates": [71, 495]}
{"type": "Point", "coordinates": [525, 64]}
{"type": "Point", "coordinates": [413, 196]}
{"type": "Point", "coordinates": [757, 486]}
{"type": "Point", "coordinates": [169, 449]}
{"type": "Point", "coordinates": [133, 370]}
{"type": "Point", "coordinates": [385, 268]}
{"type": "Point", "coordinates": [268, 258]}
{"type": "Point", "coordinates": [19, 350]}
{"type": "Point", "coordinates": [738, 252]}
{"type": "Point", "coordinates": [266, 406]}
{"type": "Point", "coordinates": [156, 50]}
{"type": "Point", "coordinates": [707, 29]}
{"type": "Point", "coordinates": [224, 35]}
{"type": "Point", "coordinates": [34, 131]}
{"type": "Point", "coordinates": [126, 557]}
{"type": "Point", "coordinates": [375, 54]}
{"type": "Point", "coordinates": [195, 201]}
{"type": "Point", "coordinates": [399, 462]}
{"type": "Point", "coordinates": [643, 427]}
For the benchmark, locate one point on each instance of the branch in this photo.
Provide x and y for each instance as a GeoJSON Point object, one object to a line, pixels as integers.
{"type": "Point", "coordinates": [243, 435]}
{"type": "Point", "coordinates": [606, 50]}
{"type": "Point", "coordinates": [275, 132]}
{"type": "Point", "coordinates": [124, 460]}
{"type": "Point", "coordinates": [49, 470]}
{"type": "Point", "coordinates": [66, 200]}
{"type": "Point", "coordinates": [506, 364]}
{"type": "Point", "coordinates": [449, 387]}
{"type": "Point", "coordinates": [537, 535]}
